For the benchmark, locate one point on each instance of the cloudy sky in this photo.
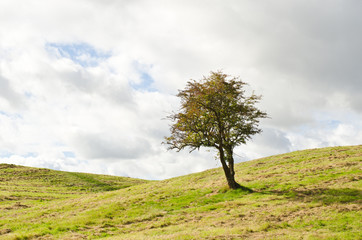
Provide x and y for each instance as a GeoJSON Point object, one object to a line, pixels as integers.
{"type": "Point", "coordinates": [85, 85]}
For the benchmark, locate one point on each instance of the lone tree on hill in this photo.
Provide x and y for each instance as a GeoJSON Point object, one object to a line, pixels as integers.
{"type": "Point", "coordinates": [215, 113]}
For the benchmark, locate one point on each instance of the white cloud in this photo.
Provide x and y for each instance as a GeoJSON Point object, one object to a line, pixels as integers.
{"type": "Point", "coordinates": [84, 85]}
{"type": "Point", "coordinates": [108, 146]}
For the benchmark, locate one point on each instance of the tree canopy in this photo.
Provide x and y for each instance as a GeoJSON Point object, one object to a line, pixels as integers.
{"type": "Point", "coordinates": [215, 113]}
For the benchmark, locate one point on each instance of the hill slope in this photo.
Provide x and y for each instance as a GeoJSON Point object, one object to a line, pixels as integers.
{"type": "Point", "coordinates": [313, 194]}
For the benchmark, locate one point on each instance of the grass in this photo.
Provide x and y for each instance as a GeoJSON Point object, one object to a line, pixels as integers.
{"type": "Point", "coordinates": [311, 194]}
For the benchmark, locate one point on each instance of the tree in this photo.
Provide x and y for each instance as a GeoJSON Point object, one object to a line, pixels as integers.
{"type": "Point", "coordinates": [215, 113]}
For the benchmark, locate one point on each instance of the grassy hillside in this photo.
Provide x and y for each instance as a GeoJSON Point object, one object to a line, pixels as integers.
{"type": "Point", "coordinates": [311, 194]}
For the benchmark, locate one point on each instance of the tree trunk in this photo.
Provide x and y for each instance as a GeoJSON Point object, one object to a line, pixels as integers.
{"type": "Point", "coordinates": [228, 166]}
{"type": "Point", "coordinates": [228, 169]}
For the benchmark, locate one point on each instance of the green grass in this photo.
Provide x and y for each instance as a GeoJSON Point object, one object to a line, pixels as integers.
{"type": "Point", "coordinates": [311, 194]}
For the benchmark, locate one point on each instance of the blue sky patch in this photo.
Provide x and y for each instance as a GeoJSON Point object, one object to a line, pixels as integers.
{"type": "Point", "coordinates": [146, 79]}
{"type": "Point", "coordinates": [12, 116]}
{"type": "Point", "coordinates": [145, 84]}
{"type": "Point", "coordinates": [80, 53]}
{"type": "Point", "coordinates": [30, 154]}
{"type": "Point", "coordinates": [28, 95]}
{"type": "Point", "coordinates": [5, 154]}
{"type": "Point", "coordinates": [69, 154]}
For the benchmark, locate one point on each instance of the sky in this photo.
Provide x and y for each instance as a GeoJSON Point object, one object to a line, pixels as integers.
{"type": "Point", "coordinates": [86, 85]}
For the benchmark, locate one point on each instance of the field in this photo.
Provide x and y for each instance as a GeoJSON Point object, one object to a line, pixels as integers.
{"type": "Point", "coordinates": [310, 194]}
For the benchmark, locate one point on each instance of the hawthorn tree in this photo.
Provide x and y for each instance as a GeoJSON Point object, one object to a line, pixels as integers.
{"type": "Point", "coordinates": [215, 113]}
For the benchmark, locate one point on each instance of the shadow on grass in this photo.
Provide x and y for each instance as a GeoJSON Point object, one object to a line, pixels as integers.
{"type": "Point", "coordinates": [245, 189]}
{"type": "Point", "coordinates": [240, 188]}
{"type": "Point", "coordinates": [324, 195]}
